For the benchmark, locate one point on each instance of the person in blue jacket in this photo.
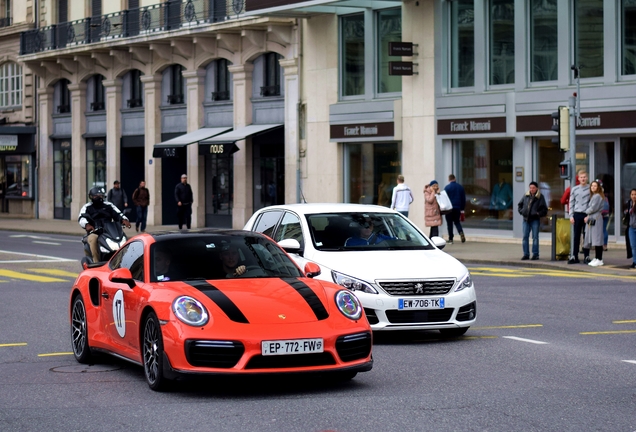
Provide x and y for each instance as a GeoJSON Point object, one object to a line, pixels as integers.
{"type": "Point", "coordinates": [456, 193]}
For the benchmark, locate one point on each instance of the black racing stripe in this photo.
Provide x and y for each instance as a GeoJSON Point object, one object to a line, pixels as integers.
{"type": "Point", "coordinates": [310, 297]}
{"type": "Point", "coordinates": [221, 300]}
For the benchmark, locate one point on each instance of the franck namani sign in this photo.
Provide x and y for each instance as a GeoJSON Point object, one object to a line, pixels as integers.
{"type": "Point", "coordinates": [471, 126]}
{"type": "Point", "coordinates": [346, 132]}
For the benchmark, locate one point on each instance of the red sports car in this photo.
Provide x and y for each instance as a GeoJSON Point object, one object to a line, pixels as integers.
{"type": "Point", "coordinates": [216, 302]}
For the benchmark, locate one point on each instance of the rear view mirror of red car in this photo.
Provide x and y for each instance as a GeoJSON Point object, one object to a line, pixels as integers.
{"type": "Point", "coordinates": [312, 269]}
{"type": "Point", "coordinates": [122, 275]}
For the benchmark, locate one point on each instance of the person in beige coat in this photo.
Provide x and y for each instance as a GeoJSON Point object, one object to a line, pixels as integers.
{"type": "Point", "coordinates": [432, 215]}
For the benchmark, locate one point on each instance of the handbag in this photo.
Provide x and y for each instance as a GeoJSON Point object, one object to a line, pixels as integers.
{"type": "Point", "coordinates": [445, 205]}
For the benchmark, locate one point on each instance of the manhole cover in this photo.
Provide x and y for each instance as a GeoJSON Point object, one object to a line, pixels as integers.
{"type": "Point", "coordinates": [80, 368]}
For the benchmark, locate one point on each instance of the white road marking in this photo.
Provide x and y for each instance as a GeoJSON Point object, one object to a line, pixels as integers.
{"type": "Point", "coordinates": [48, 243]}
{"type": "Point", "coordinates": [42, 238]}
{"type": "Point", "coordinates": [39, 257]}
{"type": "Point", "coordinates": [630, 361]}
{"type": "Point", "coordinates": [525, 340]}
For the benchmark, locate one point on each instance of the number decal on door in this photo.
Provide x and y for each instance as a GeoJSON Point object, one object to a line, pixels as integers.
{"type": "Point", "coordinates": [119, 315]}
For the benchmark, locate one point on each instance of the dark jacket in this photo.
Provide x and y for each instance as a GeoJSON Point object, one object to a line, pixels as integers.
{"type": "Point", "coordinates": [183, 193]}
{"type": "Point", "coordinates": [628, 245]}
{"type": "Point", "coordinates": [118, 197]}
{"type": "Point", "coordinates": [96, 215]}
{"type": "Point", "coordinates": [456, 194]}
{"type": "Point", "coordinates": [532, 207]}
{"type": "Point", "coordinates": [141, 197]}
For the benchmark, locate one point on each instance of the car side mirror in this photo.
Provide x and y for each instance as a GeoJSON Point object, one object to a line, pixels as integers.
{"type": "Point", "coordinates": [290, 245]}
{"type": "Point", "coordinates": [312, 269]}
{"type": "Point", "coordinates": [439, 242]}
{"type": "Point", "coordinates": [122, 275]}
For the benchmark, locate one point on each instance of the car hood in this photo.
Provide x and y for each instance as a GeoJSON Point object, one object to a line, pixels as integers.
{"type": "Point", "coordinates": [391, 264]}
{"type": "Point", "coordinates": [264, 300]}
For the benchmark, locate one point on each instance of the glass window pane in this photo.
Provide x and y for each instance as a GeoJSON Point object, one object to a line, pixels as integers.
{"type": "Point", "coordinates": [628, 170]}
{"type": "Point", "coordinates": [604, 171]}
{"type": "Point", "coordinates": [502, 42]}
{"type": "Point", "coordinates": [353, 55]}
{"type": "Point", "coordinates": [550, 183]}
{"type": "Point", "coordinates": [462, 39]}
{"type": "Point", "coordinates": [589, 37]}
{"type": "Point", "coordinates": [373, 171]}
{"type": "Point", "coordinates": [629, 37]}
{"type": "Point", "coordinates": [389, 30]}
{"type": "Point", "coordinates": [543, 40]}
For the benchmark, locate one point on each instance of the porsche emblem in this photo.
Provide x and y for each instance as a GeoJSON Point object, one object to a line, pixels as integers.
{"type": "Point", "coordinates": [419, 288]}
{"type": "Point", "coordinates": [281, 316]}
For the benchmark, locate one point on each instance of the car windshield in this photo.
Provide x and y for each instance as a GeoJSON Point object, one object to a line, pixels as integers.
{"type": "Point", "coordinates": [217, 256]}
{"type": "Point", "coordinates": [364, 231]}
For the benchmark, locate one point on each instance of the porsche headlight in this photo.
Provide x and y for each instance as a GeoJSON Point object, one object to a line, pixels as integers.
{"type": "Point", "coordinates": [113, 245]}
{"type": "Point", "coordinates": [466, 282]}
{"type": "Point", "coordinates": [190, 311]}
{"type": "Point", "coordinates": [348, 304]}
{"type": "Point", "coordinates": [352, 283]}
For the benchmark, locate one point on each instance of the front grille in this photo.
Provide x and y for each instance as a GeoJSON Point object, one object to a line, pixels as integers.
{"type": "Point", "coordinates": [353, 347]}
{"type": "Point", "coordinates": [418, 316]}
{"type": "Point", "coordinates": [217, 354]}
{"type": "Point", "coordinates": [371, 316]}
{"type": "Point", "coordinates": [418, 287]}
{"type": "Point", "coordinates": [468, 312]}
{"type": "Point", "coordinates": [290, 361]}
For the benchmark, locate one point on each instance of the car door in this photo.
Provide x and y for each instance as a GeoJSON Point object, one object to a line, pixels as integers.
{"type": "Point", "coordinates": [121, 302]}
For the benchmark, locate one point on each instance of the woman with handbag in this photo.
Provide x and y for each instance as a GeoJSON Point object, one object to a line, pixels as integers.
{"type": "Point", "coordinates": [432, 213]}
{"type": "Point", "coordinates": [594, 222]}
{"type": "Point", "coordinates": [629, 221]}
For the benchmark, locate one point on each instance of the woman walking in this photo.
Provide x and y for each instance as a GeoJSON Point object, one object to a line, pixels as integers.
{"type": "Point", "coordinates": [432, 215]}
{"type": "Point", "coordinates": [630, 217]}
{"type": "Point", "coordinates": [594, 222]}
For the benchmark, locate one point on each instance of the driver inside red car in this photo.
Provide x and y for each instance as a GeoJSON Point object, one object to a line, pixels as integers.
{"type": "Point", "coordinates": [230, 259]}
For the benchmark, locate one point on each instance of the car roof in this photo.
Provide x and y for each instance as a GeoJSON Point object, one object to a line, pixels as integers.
{"type": "Point", "coordinates": [202, 232]}
{"type": "Point", "coordinates": [313, 208]}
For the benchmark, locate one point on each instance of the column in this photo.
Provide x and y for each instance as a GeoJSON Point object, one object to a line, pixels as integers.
{"type": "Point", "coordinates": [45, 154]}
{"type": "Point", "coordinates": [195, 88]}
{"type": "Point", "coordinates": [292, 99]}
{"type": "Point", "coordinates": [78, 147]}
{"type": "Point", "coordinates": [113, 130]}
{"type": "Point", "coordinates": [152, 124]}
{"type": "Point", "coordinates": [243, 202]}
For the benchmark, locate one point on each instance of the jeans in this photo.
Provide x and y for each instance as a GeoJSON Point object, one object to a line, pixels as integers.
{"type": "Point", "coordinates": [453, 218]}
{"type": "Point", "coordinates": [632, 240]}
{"type": "Point", "coordinates": [142, 214]}
{"type": "Point", "coordinates": [579, 228]}
{"type": "Point", "coordinates": [605, 234]}
{"type": "Point", "coordinates": [527, 226]}
{"type": "Point", "coordinates": [434, 232]}
{"type": "Point", "coordinates": [405, 213]}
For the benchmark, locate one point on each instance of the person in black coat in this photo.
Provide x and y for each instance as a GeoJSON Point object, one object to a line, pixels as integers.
{"type": "Point", "coordinates": [183, 196]}
{"type": "Point", "coordinates": [532, 207]}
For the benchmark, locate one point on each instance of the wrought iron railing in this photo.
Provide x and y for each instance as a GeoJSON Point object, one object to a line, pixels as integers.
{"type": "Point", "coordinates": [160, 17]}
{"type": "Point", "coordinates": [6, 22]}
{"type": "Point", "coordinates": [273, 90]}
{"type": "Point", "coordinates": [175, 99]}
{"type": "Point", "coordinates": [220, 95]}
{"type": "Point", "coordinates": [135, 103]}
{"type": "Point", "coordinates": [97, 106]}
{"type": "Point", "coordinates": [63, 109]}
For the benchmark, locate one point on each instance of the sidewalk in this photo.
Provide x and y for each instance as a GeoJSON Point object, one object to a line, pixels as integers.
{"type": "Point", "coordinates": [476, 250]}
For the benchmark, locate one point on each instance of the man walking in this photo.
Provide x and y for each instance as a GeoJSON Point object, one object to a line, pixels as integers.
{"type": "Point", "coordinates": [402, 197]}
{"type": "Point", "coordinates": [532, 207]}
{"type": "Point", "coordinates": [579, 199]}
{"type": "Point", "coordinates": [183, 196]}
{"type": "Point", "coordinates": [141, 200]}
{"type": "Point", "coordinates": [118, 197]}
{"type": "Point", "coordinates": [456, 193]}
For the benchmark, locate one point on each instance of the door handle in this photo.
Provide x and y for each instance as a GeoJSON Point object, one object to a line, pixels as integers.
{"type": "Point", "coordinates": [105, 295]}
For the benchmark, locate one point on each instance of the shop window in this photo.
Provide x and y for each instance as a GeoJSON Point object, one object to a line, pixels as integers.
{"type": "Point", "coordinates": [18, 176]}
{"type": "Point", "coordinates": [462, 41]}
{"type": "Point", "coordinates": [588, 37]}
{"type": "Point", "coordinates": [95, 163]}
{"type": "Point", "coordinates": [389, 30]}
{"type": "Point", "coordinates": [10, 85]}
{"type": "Point", "coordinates": [221, 81]}
{"type": "Point", "coordinates": [543, 40]}
{"type": "Point", "coordinates": [604, 173]}
{"type": "Point", "coordinates": [628, 168]}
{"type": "Point", "coordinates": [628, 45]}
{"type": "Point", "coordinates": [550, 182]}
{"type": "Point", "coordinates": [502, 42]}
{"type": "Point", "coordinates": [271, 75]}
{"type": "Point", "coordinates": [98, 94]}
{"type": "Point", "coordinates": [352, 28]}
{"type": "Point", "coordinates": [485, 172]}
{"type": "Point", "coordinates": [371, 172]}
{"type": "Point", "coordinates": [176, 85]}
{"type": "Point", "coordinates": [136, 99]}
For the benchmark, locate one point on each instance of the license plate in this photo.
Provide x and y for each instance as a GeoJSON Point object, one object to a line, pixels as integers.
{"type": "Point", "coordinates": [435, 303]}
{"type": "Point", "coordinates": [293, 346]}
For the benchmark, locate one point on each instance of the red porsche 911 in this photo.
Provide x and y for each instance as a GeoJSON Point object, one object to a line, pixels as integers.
{"type": "Point", "coordinates": [216, 302]}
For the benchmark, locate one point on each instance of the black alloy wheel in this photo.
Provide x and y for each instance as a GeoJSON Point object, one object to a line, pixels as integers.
{"type": "Point", "coordinates": [153, 353]}
{"type": "Point", "coordinates": [79, 331]}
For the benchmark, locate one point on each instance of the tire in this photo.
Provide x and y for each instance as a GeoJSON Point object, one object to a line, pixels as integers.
{"type": "Point", "coordinates": [152, 349]}
{"type": "Point", "coordinates": [454, 332]}
{"type": "Point", "coordinates": [79, 332]}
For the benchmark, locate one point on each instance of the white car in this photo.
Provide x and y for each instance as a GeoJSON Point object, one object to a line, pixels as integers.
{"type": "Point", "coordinates": [401, 277]}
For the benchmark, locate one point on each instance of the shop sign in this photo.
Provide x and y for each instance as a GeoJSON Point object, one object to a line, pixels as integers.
{"type": "Point", "coordinates": [165, 152]}
{"type": "Point", "coordinates": [362, 130]}
{"type": "Point", "coordinates": [401, 68]}
{"type": "Point", "coordinates": [8, 143]}
{"type": "Point", "coordinates": [221, 149]}
{"type": "Point", "coordinates": [100, 143]}
{"type": "Point", "coordinates": [471, 126]}
{"type": "Point", "coordinates": [401, 49]}
{"type": "Point", "coordinates": [587, 121]}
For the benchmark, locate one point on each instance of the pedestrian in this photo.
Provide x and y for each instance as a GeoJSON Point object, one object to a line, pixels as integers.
{"type": "Point", "coordinates": [532, 207]}
{"type": "Point", "coordinates": [594, 223]}
{"type": "Point", "coordinates": [402, 197]}
{"type": "Point", "coordinates": [606, 215]}
{"type": "Point", "coordinates": [432, 214]}
{"type": "Point", "coordinates": [118, 197]}
{"type": "Point", "coordinates": [183, 196]}
{"type": "Point", "coordinates": [629, 220]}
{"type": "Point", "coordinates": [456, 193]}
{"type": "Point", "coordinates": [141, 200]}
{"type": "Point", "coordinates": [579, 200]}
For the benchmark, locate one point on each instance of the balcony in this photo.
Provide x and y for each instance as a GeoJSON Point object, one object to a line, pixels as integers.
{"type": "Point", "coordinates": [6, 22]}
{"type": "Point", "coordinates": [175, 99]}
{"type": "Point", "coordinates": [145, 20]}
{"type": "Point", "coordinates": [97, 106]}
{"type": "Point", "coordinates": [135, 103]}
{"type": "Point", "coordinates": [221, 96]}
{"type": "Point", "coordinates": [272, 90]}
{"type": "Point", "coordinates": [63, 109]}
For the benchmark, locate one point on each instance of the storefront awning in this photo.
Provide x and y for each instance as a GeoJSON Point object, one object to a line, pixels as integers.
{"type": "Point", "coordinates": [240, 134]}
{"type": "Point", "coordinates": [169, 148]}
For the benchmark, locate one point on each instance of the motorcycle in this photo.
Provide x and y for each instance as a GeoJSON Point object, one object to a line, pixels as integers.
{"type": "Point", "coordinates": [110, 238]}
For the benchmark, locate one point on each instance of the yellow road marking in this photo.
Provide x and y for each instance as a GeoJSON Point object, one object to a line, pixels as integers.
{"type": "Point", "coordinates": [15, 275]}
{"type": "Point", "coordinates": [608, 332]}
{"type": "Point", "coordinates": [507, 327]}
{"type": "Point", "coordinates": [530, 272]}
{"type": "Point", "coordinates": [624, 322]}
{"type": "Point", "coordinates": [55, 354]}
{"type": "Point", "coordinates": [13, 344]}
{"type": "Point", "coordinates": [54, 272]}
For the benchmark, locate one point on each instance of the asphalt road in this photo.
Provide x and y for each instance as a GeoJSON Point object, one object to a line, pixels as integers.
{"type": "Point", "coordinates": [550, 351]}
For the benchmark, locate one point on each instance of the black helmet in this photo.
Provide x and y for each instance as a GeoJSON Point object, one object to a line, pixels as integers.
{"type": "Point", "coordinates": [97, 194]}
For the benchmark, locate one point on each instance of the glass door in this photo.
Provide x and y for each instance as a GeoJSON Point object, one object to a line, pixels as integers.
{"type": "Point", "coordinates": [219, 190]}
{"type": "Point", "coordinates": [603, 171]}
{"type": "Point", "coordinates": [62, 179]}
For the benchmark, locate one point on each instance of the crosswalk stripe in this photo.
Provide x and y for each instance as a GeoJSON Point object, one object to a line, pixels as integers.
{"type": "Point", "coordinates": [25, 276]}
{"type": "Point", "coordinates": [54, 272]}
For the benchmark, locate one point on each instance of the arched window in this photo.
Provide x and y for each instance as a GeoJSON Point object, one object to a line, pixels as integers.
{"type": "Point", "coordinates": [10, 85]}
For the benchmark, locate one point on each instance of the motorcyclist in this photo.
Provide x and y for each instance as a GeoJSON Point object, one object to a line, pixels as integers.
{"type": "Point", "coordinates": [94, 214]}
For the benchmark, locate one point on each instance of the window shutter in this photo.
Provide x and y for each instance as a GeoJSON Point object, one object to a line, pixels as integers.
{"type": "Point", "coordinates": [62, 11]}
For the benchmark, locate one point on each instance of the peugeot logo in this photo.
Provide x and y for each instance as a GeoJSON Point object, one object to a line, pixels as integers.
{"type": "Point", "coordinates": [419, 288]}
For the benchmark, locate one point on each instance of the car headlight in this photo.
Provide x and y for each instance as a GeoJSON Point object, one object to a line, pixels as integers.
{"type": "Point", "coordinates": [113, 245]}
{"type": "Point", "coordinates": [352, 283]}
{"type": "Point", "coordinates": [123, 240]}
{"type": "Point", "coordinates": [190, 311]}
{"type": "Point", "coordinates": [348, 304]}
{"type": "Point", "coordinates": [466, 282]}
